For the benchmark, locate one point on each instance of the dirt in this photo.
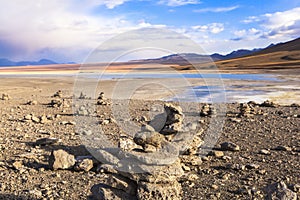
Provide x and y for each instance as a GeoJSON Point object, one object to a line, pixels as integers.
{"type": "Point", "coordinates": [244, 174]}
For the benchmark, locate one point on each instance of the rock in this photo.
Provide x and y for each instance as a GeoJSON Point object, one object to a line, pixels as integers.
{"type": "Point", "coordinates": [214, 187]}
{"type": "Point", "coordinates": [60, 159]}
{"type": "Point", "coordinates": [28, 117]}
{"type": "Point", "coordinates": [174, 119]}
{"type": "Point", "coordinates": [156, 173]}
{"type": "Point", "coordinates": [264, 152]}
{"type": "Point", "coordinates": [127, 144]}
{"type": "Point", "coordinates": [252, 166]}
{"type": "Point", "coordinates": [18, 165]}
{"type": "Point", "coordinates": [283, 148]}
{"type": "Point", "coordinates": [106, 168]}
{"type": "Point", "coordinates": [191, 160]}
{"type": "Point", "coordinates": [105, 192]}
{"type": "Point", "coordinates": [295, 188]}
{"type": "Point", "coordinates": [296, 105]}
{"type": "Point", "coordinates": [82, 96]}
{"type": "Point", "coordinates": [58, 94]}
{"type": "Point", "coordinates": [148, 148]}
{"type": "Point", "coordinates": [46, 141]}
{"type": "Point", "coordinates": [217, 154]}
{"type": "Point", "coordinates": [148, 138]}
{"type": "Point", "coordinates": [56, 103]}
{"type": "Point", "coordinates": [268, 103]}
{"type": "Point", "coordinates": [247, 110]}
{"type": "Point", "coordinates": [104, 122]}
{"type": "Point", "coordinates": [33, 102]}
{"type": "Point", "coordinates": [279, 191]}
{"type": "Point", "coordinates": [122, 183]}
{"type": "Point", "coordinates": [43, 119]}
{"type": "Point", "coordinates": [185, 167]}
{"type": "Point", "coordinates": [229, 146]}
{"type": "Point", "coordinates": [147, 128]}
{"type": "Point", "coordinates": [237, 167]}
{"type": "Point", "coordinates": [35, 119]}
{"type": "Point", "coordinates": [5, 97]}
{"type": "Point", "coordinates": [150, 191]}
{"type": "Point", "coordinates": [236, 120]}
{"type": "Point", "coordinates": [84, 165]}
{"type": "Point", "coordinates": [36, 193]}
{"type": "Point", "coordinates": [205, 110]}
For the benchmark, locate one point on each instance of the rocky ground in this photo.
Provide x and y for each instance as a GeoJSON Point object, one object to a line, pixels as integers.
{"type": "Point", "coordinates": [257, 155]}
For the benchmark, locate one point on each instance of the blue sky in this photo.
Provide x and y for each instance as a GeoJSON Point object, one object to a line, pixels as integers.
{"type": "Point", "coordinates": [69, 30]}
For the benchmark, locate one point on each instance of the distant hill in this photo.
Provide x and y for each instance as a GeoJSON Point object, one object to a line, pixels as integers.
{"type": "Point", "coordinates": [6, 62]}
{"type": "Point", "coordinates": [185, 58]}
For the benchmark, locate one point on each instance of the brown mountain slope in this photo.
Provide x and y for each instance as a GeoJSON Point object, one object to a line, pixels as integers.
{"type": "Point", "coordinates": [293, 45]}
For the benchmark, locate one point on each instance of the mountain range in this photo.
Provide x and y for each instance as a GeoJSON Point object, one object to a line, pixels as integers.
{"type": "Point", "coordinates": [186, 58]}
{"type": "Point", "coordinates": [6, 62]}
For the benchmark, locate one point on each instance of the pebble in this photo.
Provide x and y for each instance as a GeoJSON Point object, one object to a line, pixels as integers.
{"type": "Point", "coordinates": [264, 152]}
{"type": "Point", "coordinates": [283, 148]}
{"type": "Point", "coordinates": [217, 154]}
{"type": "Point", "coordinates": [229, 146]}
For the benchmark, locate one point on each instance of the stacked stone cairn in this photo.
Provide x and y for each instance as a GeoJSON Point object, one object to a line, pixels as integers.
{"type": "Point", "coordinates": [102, 100]}
{"type": "Point", "coordinates": [5, 97]}
{"type": "Point", "coordinates": [247, 110]}
{"type": "Point", "coordinates": [208, 110]}
{"type": "Point", "coordinates": [59, 101]}
{"type": "Point", "coordinates": [151, 168]}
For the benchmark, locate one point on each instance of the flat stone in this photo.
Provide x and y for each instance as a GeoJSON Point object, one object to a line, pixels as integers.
{"type": "Point", "coordinates": [46, 141]}
{"type": "Point", "coordinates": [156, 173]}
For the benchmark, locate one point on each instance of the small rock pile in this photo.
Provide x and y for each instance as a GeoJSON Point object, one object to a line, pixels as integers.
{"type": "Point", "coordinates": [102, 100]}
{"type": "Point", "coordinates": [208, 110]}
{"type": "Point", "coordinates": [247, 110]}
{"type": "Point", "coordinates": [59, 101]}
{"type": "Point", "coordinates": [5, 97]}
{"type": "Point", "coordinates": [268, 103]}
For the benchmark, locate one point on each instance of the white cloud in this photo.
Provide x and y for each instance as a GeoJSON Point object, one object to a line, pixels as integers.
{"type": "Point", "coordinates": [108, 3]}
{"type": "Point", "coordinates": [216, 10]}
{"type": "Point", "coordinates": [63, 29]}
{"type": "Point", "coordinates": [210, 28]}
{"type": "Point", "coordinates": [175, 3]}
{"type": "Point", "coordinates": [284, 24]}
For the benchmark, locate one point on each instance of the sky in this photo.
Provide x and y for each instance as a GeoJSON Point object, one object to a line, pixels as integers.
{"type": "Point", "coordinates": [70, 30]}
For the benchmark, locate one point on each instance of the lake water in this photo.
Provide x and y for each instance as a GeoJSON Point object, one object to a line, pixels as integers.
{"type": "Point", "coordinates": [239, 91]}
{"type": "Point", "coordinates": [107, 76]}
